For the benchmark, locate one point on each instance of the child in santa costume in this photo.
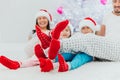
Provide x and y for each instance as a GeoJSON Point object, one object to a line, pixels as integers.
{"type": "Point", "coordinates": [43, 19]}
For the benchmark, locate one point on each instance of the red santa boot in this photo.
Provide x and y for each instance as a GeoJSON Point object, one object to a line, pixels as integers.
{"type": "Point", "coordinates": [58, 28]}
{"type": "Point", "coordinates": [54, 49]}
{"type": "Point", "coordinates": [9, 63]}
{"type": "Point", "coordinates": [63, 66]}
{"type": "Point", "coordinates": [39, 51]}
{"type": "Point", "coordinates": [45, 65]}
{"type": "Point", "coordinates": [44, 38]}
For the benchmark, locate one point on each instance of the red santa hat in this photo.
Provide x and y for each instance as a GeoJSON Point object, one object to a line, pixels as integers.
{"type": "Point", "coordinates": [88, 22]}
{"type": "Point", "coordinates": [45, 13]}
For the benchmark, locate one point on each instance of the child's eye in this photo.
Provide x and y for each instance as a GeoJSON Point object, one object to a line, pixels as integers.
{"type": "Point", "coordinates": [39, 18]}
{"type": "Point", "coordinates": [114, 1]}
{"type": "Point", "coordinates": [67, 30]}
{"type": "Point", "coordinates": [87, 27]}
{"type": "Point", "coordinates": [83, 28]}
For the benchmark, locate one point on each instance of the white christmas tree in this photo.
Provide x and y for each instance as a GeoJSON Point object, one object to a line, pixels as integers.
{"type": "Point", "coordinates": [75, 10]}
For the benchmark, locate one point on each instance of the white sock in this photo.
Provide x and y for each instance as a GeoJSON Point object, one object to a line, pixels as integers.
{"type": "Point", "coordinates": [29, 63]}
{"type": "Point", "coordinates": [33, 61]}
{"type": "Point", "coordinates": [56, 65]}
{"type": "Point", "coordinates": [69, 66]}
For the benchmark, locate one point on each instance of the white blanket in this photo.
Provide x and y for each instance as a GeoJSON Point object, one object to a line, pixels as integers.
{"type": "Point", "coordinates": [89, 71]}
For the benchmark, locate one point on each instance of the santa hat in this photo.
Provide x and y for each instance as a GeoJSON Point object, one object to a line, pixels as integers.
{"type": "Point", "coordinates": [88, 22]}
{"type": "Point", "coordinates": [45, 13]}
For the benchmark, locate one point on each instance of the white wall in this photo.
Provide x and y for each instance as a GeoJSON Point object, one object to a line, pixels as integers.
{"type": "Point", "coordinates": [17, 17]}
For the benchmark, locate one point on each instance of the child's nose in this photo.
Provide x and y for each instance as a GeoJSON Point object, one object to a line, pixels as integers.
{"type": "Point", "coordinates": [86, 29]}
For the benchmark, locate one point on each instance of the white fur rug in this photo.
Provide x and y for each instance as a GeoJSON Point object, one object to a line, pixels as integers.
{"type": "Point", "coordinates": [90, 71]}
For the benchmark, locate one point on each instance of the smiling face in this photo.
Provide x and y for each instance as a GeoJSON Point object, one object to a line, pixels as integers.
{"type": "Point", "coordinates": [42, 21]}
{"type": "Point", "coordinates": [86, 30]}
{"type": "Point", "coordinates": [66, 33]}
{"type": "Point", "coordinates": [116, 6]}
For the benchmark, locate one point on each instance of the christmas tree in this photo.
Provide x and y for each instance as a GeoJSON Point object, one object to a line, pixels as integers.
{"type": "Point", "coordinates": [76, 10]}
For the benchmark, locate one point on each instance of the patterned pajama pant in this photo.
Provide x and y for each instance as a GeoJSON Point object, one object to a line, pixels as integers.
{"type": "Point", "coordinates": [93, 45]}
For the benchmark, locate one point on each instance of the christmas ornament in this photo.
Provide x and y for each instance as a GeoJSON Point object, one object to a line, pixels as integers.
{"type": "Point", "coordinates": [60, 10]}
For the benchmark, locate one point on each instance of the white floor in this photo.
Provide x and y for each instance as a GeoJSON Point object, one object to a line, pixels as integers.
{"type": "Point", "coordinates": [90, 71]}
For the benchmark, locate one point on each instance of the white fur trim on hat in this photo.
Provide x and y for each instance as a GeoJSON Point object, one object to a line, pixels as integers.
{"type": "Point", "coordinates": [44, 13]}
{"type": "Point", "coordinates": [71, 27]}
{"type": "Point", "coordinates": [88, 22]}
